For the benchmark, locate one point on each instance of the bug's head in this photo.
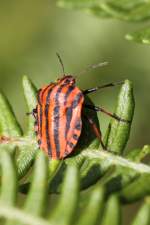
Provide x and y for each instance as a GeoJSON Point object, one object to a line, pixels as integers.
{"type": "Point", "coordinates": [67, 79]}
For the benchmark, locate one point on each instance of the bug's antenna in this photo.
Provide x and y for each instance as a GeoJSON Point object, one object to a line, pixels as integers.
{"type": "Point", "coordinates": [61, 63]}
{"type": "Point", "coordinates": [94, 66]}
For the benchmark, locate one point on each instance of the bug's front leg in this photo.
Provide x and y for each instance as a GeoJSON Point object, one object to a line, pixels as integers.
{"type": "Point", "coordinates": [91, 90]}
{"type": "Point", "coordinates": [33, 113]}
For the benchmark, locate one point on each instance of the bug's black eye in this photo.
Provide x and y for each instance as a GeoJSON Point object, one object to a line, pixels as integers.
{"type": "Point", "coordinates": [67, 81]}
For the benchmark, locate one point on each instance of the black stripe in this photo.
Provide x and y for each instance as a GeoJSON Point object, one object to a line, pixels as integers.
{"type": "Point", "coordinates": [69, 110]}
{"type": "Point", "coordinates": [38, 97]}
{"type": "Point", "coordinates": [40, 125]}
{"type": "Point", "coordinates": [69, 91]}
{"type": "Point", "coordinates": [78, 125]}
{"type": "Point", "coordinates": [43, 92]}
{"type": "Point", "coordinates": [77, 100]}
{"type": "Point", "coordinates": [56, 129]}
{"type": "Point", "coordinates": [68, 120]}
{"type": "Point", "coordinates": [47, 122]}
{"type": "Point", "coordinates": [51, 84]}
{"type": "Point", "coordinates": [56, 117]}
{"type": "Point", "coordinates": [71, 145]}
{"type": "Point", "coordinates": [75, 137]}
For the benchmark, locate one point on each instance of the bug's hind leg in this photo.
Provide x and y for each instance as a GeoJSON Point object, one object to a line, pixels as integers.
{"type": "Point", "coordinates": [113, 115]}
{"type": "Point", "coordinates": [97, 131]}
{"type": "Point", "coordinates": [90, 90]}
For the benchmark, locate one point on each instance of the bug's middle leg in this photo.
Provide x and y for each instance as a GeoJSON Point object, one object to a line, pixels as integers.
{"type": "Point", "coordinates": [100, 109]}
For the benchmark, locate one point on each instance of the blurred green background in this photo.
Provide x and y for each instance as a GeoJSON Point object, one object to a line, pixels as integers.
{"type": "Point", "coordinates": [32, 31]}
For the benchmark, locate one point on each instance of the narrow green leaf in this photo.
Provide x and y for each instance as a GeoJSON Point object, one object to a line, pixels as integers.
{"type": "Point", "coordinates": [97, 11]}
{"type": "Point", "coordinates": [78, 4]}
{"type": "Point", "coordinates": [39, 185]}
{"type": "Point", "coordinates": [9, 179]}
{"type": "Point", "coordinates": [9, 126]}
{"type": "Point", "coordinates": [135, 10]}
{"type": "Point", "coordinates": [138, 154]}
{"type": "Point", "coordinates": [91, 171]}
{"type": "Point", "coordinates": [30, 93]}
{"type": "Point", "coordinates": [94, 208]}
{"type": "Point", "coordinates": [21, 216]}
{"type": "Point", "coordinates": [112, 214]}
{"type": "Point", "coordinates": [9, 147]}
{"type": "Point", "coordinates": [141, 36]}
{"type": "Point", "coordinates": [119, 179]}
{"type": "Point", "coordinates": [141, 187]}
{"type": "Point", "coordinates": [54, 166]}
{"type": "Point", "coordinates": [8, 194]}
{"type": "Point", "coordinates": [119, 132]}
{"type": "Point", "coordinates": [125, 5]}
{"type": "Point", "coordinates": [143, 216]}
{"type": "Point", "coordinates": [38, 188]}
{"type": "Point", "coordinates": [25, 158]}
{"type": "Point", "coordinates": [64, 212]}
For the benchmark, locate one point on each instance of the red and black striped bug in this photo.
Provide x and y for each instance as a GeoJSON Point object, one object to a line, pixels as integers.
{"type": "Point", "coordinates": [58, 118]}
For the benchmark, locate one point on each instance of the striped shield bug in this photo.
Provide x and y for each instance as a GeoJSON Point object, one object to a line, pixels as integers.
{"type": "Point", "coordinates": [58, 115]}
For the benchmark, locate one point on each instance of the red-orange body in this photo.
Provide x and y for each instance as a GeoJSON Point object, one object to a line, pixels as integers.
{"type": "Point", "coordinates": [58, 122]}
{"type": "Point", "coordinates": [58, 117]}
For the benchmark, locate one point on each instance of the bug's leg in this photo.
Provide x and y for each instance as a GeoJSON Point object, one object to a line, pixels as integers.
{"type": "Point", "coordinates": [113, 115]}
{"type": "Point", "coordinates": [90, 90]}
{"type": "Point", "coordinates": [39, 90]}
{"type": "Point", "coordinates": [33, 113]}
{"type": "Point", "coordinates": [97, 132]}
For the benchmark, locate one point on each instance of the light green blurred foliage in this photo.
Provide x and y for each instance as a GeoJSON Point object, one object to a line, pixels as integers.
{"type": "Point", "coordinates": [32, 31]}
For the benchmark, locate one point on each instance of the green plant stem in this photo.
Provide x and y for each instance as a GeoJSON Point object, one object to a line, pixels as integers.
{"type": "Point", "coordinates": [112, 159]}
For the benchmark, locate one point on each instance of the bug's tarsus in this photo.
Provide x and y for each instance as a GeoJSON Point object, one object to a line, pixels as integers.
{"type": "Point", "coordinates": [61, 63]}
{"type": "Point", "coordinates": [100, 109]}
{"type": "Point", "coordinates": [29, 113]}
{"type": "Point", "coordinates": [94, 66]}
{"type": "Point", "coordinates": [97, 131]}
{"type": "Point", "coordinates": [90, 90]}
